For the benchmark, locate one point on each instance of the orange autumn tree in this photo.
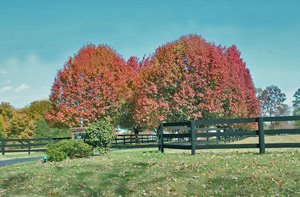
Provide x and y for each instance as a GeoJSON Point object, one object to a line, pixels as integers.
{"type": "Point", "coordinates": [188, 79]}
{"type": "Point", "coordinates": [91, 85]}
{"type": "Point", "coordinates": [191, 79]}
{"type": "Point", "coordinates": [131, 118]}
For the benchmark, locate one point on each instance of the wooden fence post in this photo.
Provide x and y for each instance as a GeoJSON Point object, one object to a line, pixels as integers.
{"type": "Point", "coordinates": [261, 135]}
{"type": "Point", "coordinates": [161, 139]}
{"type": "Point", "coordinates": [130, 139]}
{"type": "Point", "coordinates": [158, 137]}
{"type": "Point", "coordinates": [28, 144]}
{"type": "Point", "coordinates": [124, 139]}
{"type": "Point", "coordinates": [193, 137]}
{"type": "Point", "coordinates": [3, 146]}
{"type": "Point", "coordinates": [207, 138]}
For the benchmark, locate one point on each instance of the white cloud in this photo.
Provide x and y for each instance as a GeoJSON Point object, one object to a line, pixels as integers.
{"type": "Point", "coordinates": [3, 72]}
{"type": "Point", "coordinates": [12, 62]}
{"type": "Point", "coordinates": [32, 59]}
{"type": "Point", "coordinates": [6, 88]}
{"type": "Point", "coordinates": [22, 87]}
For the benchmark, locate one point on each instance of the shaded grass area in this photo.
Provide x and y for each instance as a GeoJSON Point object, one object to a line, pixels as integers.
{"type": "Point", "coordinates": [146, 172]}
{"type": "Point", "coordinates": [9, 156]}
{"type": "Point", "coordinates": [128, 146]}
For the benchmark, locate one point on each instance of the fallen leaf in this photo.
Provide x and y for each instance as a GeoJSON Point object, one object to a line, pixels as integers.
{"type": "Point", "coordinates": [204, 174]}
{"type": "Point", "coordinates": [172, 189]}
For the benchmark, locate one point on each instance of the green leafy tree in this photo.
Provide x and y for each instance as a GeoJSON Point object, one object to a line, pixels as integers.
{"type": "Point", "coordinates": [100, 135]}
{"type": "Point", "coordinates": [296, 106]}
{"type": "Point", "coordinates": [38, 109]}
{"type": "Point", "coordinates": [2, 127]}
{"type": "Point", "coordinates": [296, 103]}
{"type": "Point", "coordinates": [21, 126]}
{"type": "Point", "coordinates": [6, 110]}
{"type": "Point", "coordinates": [43, 130]}
{"type": "Point", "coordinates": [271, 100]}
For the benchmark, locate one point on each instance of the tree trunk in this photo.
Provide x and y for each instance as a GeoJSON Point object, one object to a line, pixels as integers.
{"type": "Point", "coordinates": [136, 131]}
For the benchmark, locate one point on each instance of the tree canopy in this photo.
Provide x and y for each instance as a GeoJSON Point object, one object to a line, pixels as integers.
{"type": "Point", "coordinates": [2, 127]}
{"type": "Point", "coordinates": [296, 106]}
{"type": "Point", "coordinates": [15, 123]}
{"type": "Point", "coordinates": [191, 79]}
{"type": "Point", "coordinates": [21, 126]}
{"type": "Point", "coordinates": [91, 85]}
{"type": "Point", "coordinates": [188, 79]}
{"type": "Point", "coordinates": [296, 103]}
{"type": "Point", "coordinates": [272, 100]}
{"type": "Point", "coordinates": [38, 109]}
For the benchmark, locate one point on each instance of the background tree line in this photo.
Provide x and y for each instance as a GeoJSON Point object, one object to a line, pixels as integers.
{"type": "Point", "coordinates": [28, 122]}
{"type": "Point", "coordinates": [272, 104]}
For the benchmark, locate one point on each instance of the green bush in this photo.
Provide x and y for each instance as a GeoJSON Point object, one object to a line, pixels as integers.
{"type": "Point", "coordinates": [43, 130]}
{"type": "Point", "coordinates": [68, 148]}
{"type": "Point", "coordinates": [56, 155]}
{"type": "Point", "coordinates": [100, 135]}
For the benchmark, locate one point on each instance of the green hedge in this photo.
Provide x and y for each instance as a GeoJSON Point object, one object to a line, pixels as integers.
{"type": "Point", "coordinates": [68, 148]}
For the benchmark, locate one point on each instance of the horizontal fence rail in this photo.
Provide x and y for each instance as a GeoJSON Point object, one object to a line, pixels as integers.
{"type": "Point", "coordinates": [133, 139]}
{"type": "Point", "coordinates": [39, 144]}
{"type": "Point", "coordinates": [26, 145]}
{"type": "Point", "coordinates": [195, 135]}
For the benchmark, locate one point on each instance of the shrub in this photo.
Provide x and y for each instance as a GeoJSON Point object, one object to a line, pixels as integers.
{"type": "Point", "coordinates": [56, 155]}
{"type": "Point", "coordinates": [100, 135]}
{"type": "Point", "coordinates": [68, 148]}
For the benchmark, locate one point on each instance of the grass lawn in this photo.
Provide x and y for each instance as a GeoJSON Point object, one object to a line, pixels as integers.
{"type": "Point", "coordinates": [8, 156]}
{"type": "Point", "coordinates": [147, 172]}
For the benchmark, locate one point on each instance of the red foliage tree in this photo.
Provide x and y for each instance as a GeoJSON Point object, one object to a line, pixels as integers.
{"type": "Point", "coordinates": [91, 85]}
{"type": "Point", "coordinates": [131, 118]}
{"type": "Point", "coordinates": [190, 79]}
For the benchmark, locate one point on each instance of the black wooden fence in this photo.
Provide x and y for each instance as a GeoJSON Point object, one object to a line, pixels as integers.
{"type": "Point", "coordinates": [194, 131]}
{"type": "Point", "coordinates": [31, 145]}
{"type": "Point", "coordinates": [26, 145]}
{"type": "Point", "coordinates": [132, 139]}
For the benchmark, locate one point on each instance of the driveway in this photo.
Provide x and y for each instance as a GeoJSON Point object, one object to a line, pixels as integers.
{"type": "Point", "coordinates": [13, 161]}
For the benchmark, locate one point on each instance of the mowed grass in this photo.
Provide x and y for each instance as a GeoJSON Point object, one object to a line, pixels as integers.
{"type": "Point", "coordinates": [17, 155]}
{"type": "Point", "coordinates": [147, 172]}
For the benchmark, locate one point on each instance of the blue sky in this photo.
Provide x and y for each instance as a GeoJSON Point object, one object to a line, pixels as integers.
{"type": "Point", "coordinates": [37, 37]}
